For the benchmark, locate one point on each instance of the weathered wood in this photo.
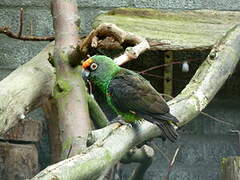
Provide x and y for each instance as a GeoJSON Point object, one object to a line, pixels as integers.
{"type": "Point", "coordinates": [230, 168]}
{"type": "Point", "coordinates": [112, 33]}
{"type": "Point", "coordinates": [23, 89]}
{"type": "Point", "coordinates": [18, 162]}
{"type": "Point", "coordinates": [51, 114]}
{"type": "Point", "coordinates": [26, 130]}
{"type": "Point", "coordinates": [173, 30]}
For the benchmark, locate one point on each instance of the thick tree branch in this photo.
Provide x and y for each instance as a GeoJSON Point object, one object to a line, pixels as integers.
{"type": "Point", "coordinates": [30, 82]}
{"type": "Point", "coordinates": [228, 48]}
{"type": "Point", "coordinates": [117, 36]}
{"type": "Point", "coordinates": [209, 78]}
{"type": "Point", "coordinates": [23, 89]}
{"type": "Point", "coordinates": [101, 155]}
{"type": "Point", "coordinates": [105, 152]}
{"type": "Point", "coordinates": [69, 92]}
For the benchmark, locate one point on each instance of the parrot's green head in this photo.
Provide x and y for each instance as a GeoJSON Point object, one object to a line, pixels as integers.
{"type": "Point", "coordinates": [99, 70]}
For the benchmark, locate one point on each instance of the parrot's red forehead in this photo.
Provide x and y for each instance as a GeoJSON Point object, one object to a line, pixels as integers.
{"type": "Point", "coordinates": [87, 63]}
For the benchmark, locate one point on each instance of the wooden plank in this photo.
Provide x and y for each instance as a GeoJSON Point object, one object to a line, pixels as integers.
{"type": "Point", "coordinates": [230, 168]}
{"type": "Point", "coordinates": [18, 162]}
{"type": "Point", "coordinates": [173, 30]}
{"type": "Point", "coordinates": [26, 130]}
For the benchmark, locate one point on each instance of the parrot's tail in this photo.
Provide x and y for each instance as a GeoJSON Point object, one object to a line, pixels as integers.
{"type": "Point", "coordinates": [168, 130]}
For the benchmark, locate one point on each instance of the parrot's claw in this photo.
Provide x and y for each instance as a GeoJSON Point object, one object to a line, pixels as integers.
{"type": "Point", "coordinates": [140, 121]}
{"type": "Point", "coordinates": [119, 119]}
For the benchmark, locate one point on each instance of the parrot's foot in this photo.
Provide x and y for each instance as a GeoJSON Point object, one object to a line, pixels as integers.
{"type": "Point", "coordinates": [119, 119]}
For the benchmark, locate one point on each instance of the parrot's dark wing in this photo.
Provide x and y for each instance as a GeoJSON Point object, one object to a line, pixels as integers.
{"type": "Point", "coordinates": [130, 92]}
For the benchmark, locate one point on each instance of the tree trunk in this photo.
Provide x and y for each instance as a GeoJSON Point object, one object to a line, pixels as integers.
{"type": "Point", "coordinates": [230, 168]}
{"type": "Point", "coordinates": [69, 91]}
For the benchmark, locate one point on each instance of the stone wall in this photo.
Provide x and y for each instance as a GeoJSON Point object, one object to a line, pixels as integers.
{"type": "Point", "coordinates": [37, 20]}
{"type": "Point", "coordinates": [203, 141]}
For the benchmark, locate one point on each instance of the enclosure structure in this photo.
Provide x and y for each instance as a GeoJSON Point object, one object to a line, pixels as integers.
{"type": "Point", "coordinates": [193, 153]}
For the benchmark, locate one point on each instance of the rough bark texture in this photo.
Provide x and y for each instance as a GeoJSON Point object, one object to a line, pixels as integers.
{"type": "Point", "coordinates": [115, 36]}
{"type": "Point", "coordinates": [31, 83]}
{"type": "Point", "coordinates": [69, 91]}
{"type": "Point", "coordinates": [51, 114]}
{"type": "Point", "coordinates": [102, 155]}
{"type": "Point", "coordinates": [230, 168]}
{"type": "Point", "coordinates": [23, 89]}
{"type": "Point", "coordinates": [109, 149]}
{"type": "Point", "coordinates": [169, 30]}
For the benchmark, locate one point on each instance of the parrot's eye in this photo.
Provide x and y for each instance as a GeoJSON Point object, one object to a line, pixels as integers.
{"type": "Point", "coordinates": [93, 66]}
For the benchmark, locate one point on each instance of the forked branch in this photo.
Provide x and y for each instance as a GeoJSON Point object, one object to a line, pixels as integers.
{"type": "Point", "coordinates": [107, 150]}
{"type": "Point", "coordinates": [111, 35]}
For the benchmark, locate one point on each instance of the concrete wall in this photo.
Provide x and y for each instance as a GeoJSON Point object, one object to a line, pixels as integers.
{"type": "Point", "coordinates": [203, 141]}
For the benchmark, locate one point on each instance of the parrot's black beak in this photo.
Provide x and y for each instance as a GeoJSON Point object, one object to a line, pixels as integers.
{"type": "Point", "coordinates": [85, 74]}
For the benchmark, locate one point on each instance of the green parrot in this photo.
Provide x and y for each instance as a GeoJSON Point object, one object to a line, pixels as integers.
{"type": "Point", "coordinates": [129, 94]}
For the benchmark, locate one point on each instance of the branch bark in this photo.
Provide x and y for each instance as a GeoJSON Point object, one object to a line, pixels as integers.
{"type": "Point", "coordinates": [31, 83]}
{"type": "Point", "coordinates": [9, 33]}
{"type": "Point", "coordinates": [105, 152]}
{"type": "Point", "coordinates": [209, 77]}
{"type": "Point", "coordinates": [39, 75]}
{"type": "Point", "coordinates": [143, 156]}
{"type": "Point", "coordinates": [23, 89]}
{"type": "Point", "coordinates": [69, 92]}
{"type": "Point", "coordinates": [111, 33]}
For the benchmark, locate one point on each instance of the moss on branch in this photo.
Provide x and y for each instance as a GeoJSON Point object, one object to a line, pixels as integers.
{"type": "Point", "coordinates": [62, 88]}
